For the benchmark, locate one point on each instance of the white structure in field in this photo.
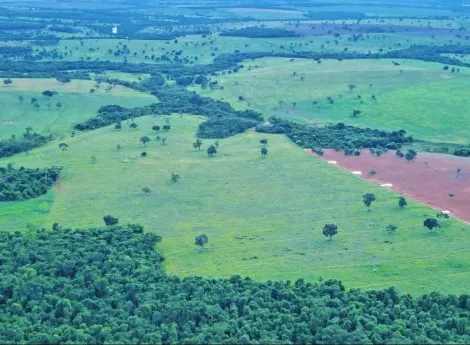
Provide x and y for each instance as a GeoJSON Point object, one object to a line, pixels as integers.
{"type": "Point", "coordinates": [115, 30]}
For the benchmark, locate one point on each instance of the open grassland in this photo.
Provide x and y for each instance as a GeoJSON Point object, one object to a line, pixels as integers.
{"type": "Point", "coordinates": [202, 50]}
{"type": "Point", "coordinates": [420, 97]}
{"type": "Point", "coordinates": [76, 104]}
{"type": "Point", "coordinates": [263, 217]}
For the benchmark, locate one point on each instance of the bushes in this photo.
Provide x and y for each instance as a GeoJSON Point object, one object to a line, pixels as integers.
{"type": "Point", "coordinates": [107, 285]}
{"type": "Point", "coordinates": [24, 184]}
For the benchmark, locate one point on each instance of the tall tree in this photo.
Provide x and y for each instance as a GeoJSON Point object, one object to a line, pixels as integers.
{"type": "Point", "coordinates": [197, 144]}
{"type": "Point", "coordinates": [264, 152]}
{"type": "Point", "coordinates": [145, 140]}
{"type": "Point", "coordinates": [368, 199]}
{"type": "Point", "coordinates": [63, 146]}
{"type": "Point", "coordinates": [329, 230]}
{"type": "Point", "coordinates": [431, 223]}
{"type": "Point", "coordinates": [402, 202]}
{"type": "Point", "coordinates": [263, 142]}
{"type": "Point", "coordinates": [110, 220]}
{"type": "Point", "coordinates": [175, 177]}
{"type": "Point", "coordinates": [211, 150]}
{"type": "Point", "coordinates": [201, 240]}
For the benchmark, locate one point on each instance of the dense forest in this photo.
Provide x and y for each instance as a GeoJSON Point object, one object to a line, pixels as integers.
{"type": "Point", "coordinates": [23, 184]}
{"type": "Point", "coordinates": [107, 285]}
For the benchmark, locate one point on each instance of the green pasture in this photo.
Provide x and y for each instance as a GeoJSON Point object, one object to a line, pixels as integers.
{"type": "Point", "coordinates": [423, 99]}
{"type": "Point", "coordinates": [203, 50]}
{"type": "Point", "coordinates": [78, 104]}
{"type": "Point", "coordinates": [263, 216]}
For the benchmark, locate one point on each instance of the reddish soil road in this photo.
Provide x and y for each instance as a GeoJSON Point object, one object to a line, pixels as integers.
{"type": "Point", "coordinates": [429, 178]}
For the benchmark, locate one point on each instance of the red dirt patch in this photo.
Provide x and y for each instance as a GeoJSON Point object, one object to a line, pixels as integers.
{"type": "Point", "coordinates": [429, 183]}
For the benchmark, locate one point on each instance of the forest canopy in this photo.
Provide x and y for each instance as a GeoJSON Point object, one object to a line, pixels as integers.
{"type": "Point", "coordinates": [107, 285]}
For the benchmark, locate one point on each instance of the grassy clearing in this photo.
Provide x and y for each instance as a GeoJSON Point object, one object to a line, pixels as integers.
{"type": "Point", "coordinates": [78, 104]}
{"type": "Point", "coordinates": [263, 217]}
{"type": "Point", "coordinates": [424, 100]}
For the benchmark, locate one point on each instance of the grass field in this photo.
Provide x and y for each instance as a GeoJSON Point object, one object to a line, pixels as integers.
{"type": "Point", "coordinates": [206, 49]}
{"type": "Point", "coordinates": [424, 100]}
{"type": "Point", "coordinates": [263, 217]}
{"type": "Point", "coordinates": [78, 104]}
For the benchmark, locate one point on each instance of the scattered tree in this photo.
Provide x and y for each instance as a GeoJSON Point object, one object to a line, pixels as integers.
{"type": "Point", "coordinates": [21, 99]}
{"type": "Point", "coordinates": [58, 104]}
{"type": "Point", "coordinates": [410, 155]}
{"type": "Point", "coordinates": [166, 127]}
{"type": "Point", "coordinates": [156, 128]}
{"type": "Point", "coordinates": [356, 113]}
{"type": "Point", "coordinates": [201, 240]}
{"type": "Point", "coordinates": [110, 220]}
{"type": "Point", "coordinates": [264, 151]}
{"type": "Point", "coordinates": [431, 223]}
{"type": "Point", "coordinates": [392, 228]}
{"type": "Point", "coordinates": [7, 82]}
{"type": "Point", "coordinates": [174, 177]}
{"type": "Point", "coordinates": [145, 140]}
{"type": "Point", "coordinates": [368, 199]}
{"type": "Point", "coordinates": [329, 230]}
{"type": "Point", "coordinates": [264, 142]}
{"type": "Point", "coordinates": [217, 144]}
{"type": "Point", "coordinates": [457, 172]}
{"type": "Point", "coordinates": [63, 146]}
{"type": "Point", "coordinates": [211, 150]}
{"type": "Point", "coordinates": [197, 144]}
{"type": "Point", "coordinates": [351, 87]}
{"type": "Point", "coordinates": [118, 126]}
{"type": "Point", "coordinates": [146, 190]}
{"type": "Point", "coordinates": [133, 125]}
{"type": "Point", "coordinates": [164, 140]}
{"type": "Point", "coordinates": [402, 202]}
{"type": "Point", "coordinates": [143, 154]}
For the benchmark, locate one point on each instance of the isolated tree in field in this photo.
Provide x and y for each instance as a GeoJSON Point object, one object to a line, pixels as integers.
{"type": "Point", "coordinates": [410, 155]}
{"type": "Point", "coordinates": [166, 127]}
{"type": "Point", "coordinates": [201, 240]}
{"type": "Point", "coordinates": [264, 152]}
{"type": "Point", "coordinates": [21, 99]}
{"type": "Point", "coordinates": [431, 223]}
{"type": "Point", "coordinates": [48, 93]}
{"type": "Point", "coordinates": [174, 177]}
{"type": "Point", "coordinates": [49, 106]}
{"type": "Point", "coordinates": [145, 140]}
{"type": "Point", "coordinates": [63, 146]}
{"type": "Point", "coordinates": [34, 100]}
{"type": "Point", "coordinates": [143, 154]}
{"type": "Point", "coordinates": [351, 87]}
{"type": "Point", "coordinates": [329, 230]}
{"type": "Point", "coordinates": [368, 199]}
{"type": "Point", "coordinates": [457, 172]}
{"type": "Point", "coordinates": [110, 220]}
{"type": "Point", "coordinates": [156, 128]}
{"type": "Point", "coordinates": [118, 147]}
{"type": "Point", "coordinates": [146, 190]}
{"type": "Point", "coordinates": [263, 142]}
{"type": "Point", "coordinates": [37, 106]}
{"type": "Point", "coordinates": [211, 150]}
{"type": "Point", "coordinates": [197, 144]}
{"type": "Point", "coordinates": [241, 98]}
{"type": "Point", "coordinates": [133, 125]}
{"type": "Point", "coordinates": [356, 113]}
{"type": "Point", "coordinates": [217, 144]}
{"type": "Point", "coordinates": [58, 105]}
{"type": "Point", "coordinates": [163, 140]}
{"type": "Point", "coordinates": [402, 202]}
{"type": "Point", "coordinates": [7, 82]}
{"type": "Point", "coordinates": [391, 228]}
{"type": "Point", "coordinates": [294, 104]}
{"type": "Point", "coordinates": [118, 126]}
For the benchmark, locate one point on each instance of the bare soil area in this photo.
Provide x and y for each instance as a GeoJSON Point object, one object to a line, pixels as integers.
{"type": "Point", "coordinates": [431, 178]}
